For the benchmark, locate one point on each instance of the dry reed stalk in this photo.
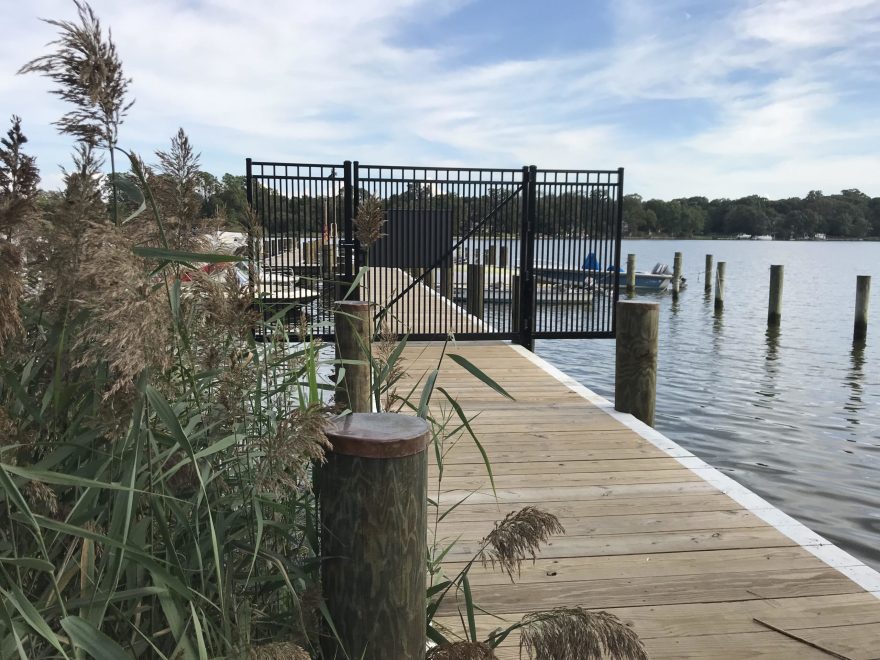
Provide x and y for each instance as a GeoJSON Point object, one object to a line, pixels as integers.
{"type": "Point", "coordinates": [518, 537]}
{"type": "Point", "coordinates": [578, 634]}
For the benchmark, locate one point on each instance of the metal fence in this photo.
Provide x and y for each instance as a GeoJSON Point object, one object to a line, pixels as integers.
{"type": "Point", "coordinates": [472, 252]}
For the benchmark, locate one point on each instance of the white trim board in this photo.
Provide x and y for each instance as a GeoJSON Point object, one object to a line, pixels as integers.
{"type": "Point", "coordinates": [863, 575]}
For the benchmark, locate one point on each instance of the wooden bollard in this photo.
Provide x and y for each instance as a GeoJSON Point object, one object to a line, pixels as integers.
{"type": "Point", "coordinates": [502, 256]}
{"type": "Point", "coordinates": [774, 306]}
{"type": "Point", "coordinates": [476, 283]}
{"type": "Point", "coordinates": [490, 255]}
{"type": "Point", "coordinates": [630, 274]}
{"type": "Point", "coordinates": [676, 275]}
{"type": "Point", "coordinates": [719, 285]}
{"type": "Point", "coordinates": [635, 379]}
{"type": "Point", "coordinates": [863, 293]}
{"type": "Point", "coordinates": [327, 265]}
{"type": "Point", "coordinates": [353, 332]}
{"type": "Point", "coordinates": [373, 493]}
{"type": "Point", "coordinates": [707, 286]}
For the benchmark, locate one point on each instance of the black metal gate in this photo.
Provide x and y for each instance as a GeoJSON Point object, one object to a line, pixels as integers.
{"type": "Point", "coordinates": [477, 253]}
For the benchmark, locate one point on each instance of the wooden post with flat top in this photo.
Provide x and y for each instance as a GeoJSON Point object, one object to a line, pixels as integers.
{"type": "Point", "coordinates": [354, 329]}
{"type": "Point", "coordinates": [373, 493]}
{"type": "Point", "coordinates": [676, 276]}
{"type": "Point", "coordinates": [774, 305]}
{"type": "Point", "coordinates": [863, 293]}
{"type": "Point", "coordinates": [635, 378]}
{"type": "Point", "coordinates": [707, 286]}
{"type": "Point", "coordinates": [630, 274]}
{"type": "Point", "coordinates": [476, 284]}
{"type": "Point", "coordinates": [719, 285]}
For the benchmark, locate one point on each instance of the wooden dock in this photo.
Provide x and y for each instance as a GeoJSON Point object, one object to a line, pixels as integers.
{"type": "Point", "coordinates": [681, 552]}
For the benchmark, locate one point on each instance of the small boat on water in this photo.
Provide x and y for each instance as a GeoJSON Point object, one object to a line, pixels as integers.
{"type": "Point", "coordinates": [762, 237]}
{"type": "Point", "coordinates": [657, 280]}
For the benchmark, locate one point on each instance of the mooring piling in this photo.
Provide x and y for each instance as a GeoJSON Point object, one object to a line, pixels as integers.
{"type": "Point", "coordinates": [476, 284]}
{"type": "Point", "coordinates": [490, 255]}
{"type": "Point", "coordinates": [635, 378]}
{"type": "Point", "coordinates": [676, 275]}
{"type": "Point", "coordinates": [502, 256]}
{"type": "Point", "coordinates": [707, 285]}
{"type": "Point", "coordinates": [719, 285]}
{"type": "Point", "coordinates": [354, 330]}
{"type": "Point", "coordinates": [373, 493]}
{"type": "Point", "coordinates": [630, 274]}
{"type": "Point", "coordinates": [863, 294]}
{"type": "Point", "coordinates": [774, 308]}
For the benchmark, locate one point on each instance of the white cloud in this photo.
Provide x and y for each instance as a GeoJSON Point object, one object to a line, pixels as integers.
{"type": "Point", "coordinates": [329, 81]}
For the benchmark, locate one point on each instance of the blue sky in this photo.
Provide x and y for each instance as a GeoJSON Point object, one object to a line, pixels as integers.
{"type": "Point", "coordinates": [722, 98]}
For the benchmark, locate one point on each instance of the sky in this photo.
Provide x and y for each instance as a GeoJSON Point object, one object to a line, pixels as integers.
{"type": "Point", "coordinates": [720, 98]}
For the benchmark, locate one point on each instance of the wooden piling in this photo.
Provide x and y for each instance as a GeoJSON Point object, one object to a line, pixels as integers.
{"type": "Point", "coordinates": [327, 265]}
{"type": "Point", "coordinates": [707, 286]}
{"type": "Point", "coordinates": [635, 380]}
{"type": "Point", "coordinates": [373, 501]}
{"type": "Point", "coordinates": [630, 274]}
{"type": "Point", "coordinates": [476, 284]}
{"type": "Point", "coordinates": [502, 256]}
{"type": "Point", "coordinates": [863, 294]}
{"type": "Point", "coordinates": [774, 306]}
{"type": "Point", "coordinates": [676, 275]}
{"type": "Point", "coordinates": [719, 285]}
{"type": "Point", "coordinates": [490, 255]}
{"type": "Point", "coordinates": [354, 329]}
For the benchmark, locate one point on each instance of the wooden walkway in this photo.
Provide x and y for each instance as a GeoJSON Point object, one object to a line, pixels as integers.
{"type": "Point", "coordinates": [421, 309]}
{"type": "Point", "coordinates": [679, 551]}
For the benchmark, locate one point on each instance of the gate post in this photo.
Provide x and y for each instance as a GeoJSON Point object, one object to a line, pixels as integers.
{"type": "Point", "coordinates": [350, 207]}
{"type": "Point", "coordinates": [526, 261]}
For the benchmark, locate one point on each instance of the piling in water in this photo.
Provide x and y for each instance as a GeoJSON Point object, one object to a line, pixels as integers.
{"type": "Point", "coordinates": [502, 256]}
{"type": "Point", "coordinates": [708, 283]}
{"type": "Point", "coordinates": [676, 275]}
{"type": "Point", "coordinates": [635, 379]}
{"type": "Point", "coordinates": [719, 285]}
{"type": "Point", "coordinates": [490, 255]}
{"type": "Point", "coordinates": [476, 284]}
{"type": "Point", "coordinates": [630, 274]}
{"type": "Point", "coordinates": [774, 308]}
{"type": "Point", "coordinates": [863, 293]}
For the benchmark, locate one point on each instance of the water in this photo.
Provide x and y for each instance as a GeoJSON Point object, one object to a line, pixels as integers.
{"type": "Point", "coordinates": [793, 415]}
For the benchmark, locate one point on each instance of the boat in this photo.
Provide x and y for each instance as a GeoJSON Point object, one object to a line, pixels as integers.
{"type": "Point", "coordinates": [762, 237]}
{"type": "Point", "coordinates": [743, 237]}
{"type": "Point", "coordinates": [591, 273]}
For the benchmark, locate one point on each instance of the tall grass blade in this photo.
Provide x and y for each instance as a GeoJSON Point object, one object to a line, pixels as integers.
{"type": "Point", "coordinates": [84, 635]}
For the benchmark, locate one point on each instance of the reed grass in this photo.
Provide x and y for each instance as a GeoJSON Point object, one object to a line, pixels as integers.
{"type": "Point", "coordinates": [155, 459]}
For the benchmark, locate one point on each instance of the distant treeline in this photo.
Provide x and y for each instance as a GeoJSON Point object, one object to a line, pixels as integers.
{"type": "Point", "coordinates": [849, 214]}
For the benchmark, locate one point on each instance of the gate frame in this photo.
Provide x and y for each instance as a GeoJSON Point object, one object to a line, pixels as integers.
{"type": "Point", "coordinates": [525, 332]}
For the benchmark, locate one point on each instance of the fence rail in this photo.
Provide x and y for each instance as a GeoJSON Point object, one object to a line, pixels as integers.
{"type": "Point", "coordinates": [474, 252]}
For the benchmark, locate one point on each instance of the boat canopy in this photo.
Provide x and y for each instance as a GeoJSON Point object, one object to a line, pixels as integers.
{"type": "Point", "coordinates": [592, 263]}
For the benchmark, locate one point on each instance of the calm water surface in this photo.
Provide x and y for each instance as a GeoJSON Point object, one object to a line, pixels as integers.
{"type": "Point", "coordinates": [793, 415]}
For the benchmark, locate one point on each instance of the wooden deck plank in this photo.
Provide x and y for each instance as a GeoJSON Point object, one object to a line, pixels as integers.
{"type": "Point", "coordinates": [647, 538]}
